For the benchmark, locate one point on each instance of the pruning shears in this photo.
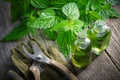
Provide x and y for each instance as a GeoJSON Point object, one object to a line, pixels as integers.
{"type": "Point", "coordinates": [40, 58]}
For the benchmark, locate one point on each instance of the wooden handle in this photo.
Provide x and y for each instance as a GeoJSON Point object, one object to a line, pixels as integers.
{"type": "Point", "coordinates": [35, 72]}
{"type": "Point", "coordinates": [63, 69]}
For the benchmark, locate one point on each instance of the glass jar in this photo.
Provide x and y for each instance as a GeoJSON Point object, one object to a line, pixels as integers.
{"type": "Point", "coordinates": [99, 35]}
{"type": "Point", "coordinates": [82, 49]}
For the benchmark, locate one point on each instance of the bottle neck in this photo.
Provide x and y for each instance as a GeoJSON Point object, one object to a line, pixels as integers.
{"type": "Point", "coordinates": [100, 29]}
{"type": "Point", "coordinates": [82, 43]}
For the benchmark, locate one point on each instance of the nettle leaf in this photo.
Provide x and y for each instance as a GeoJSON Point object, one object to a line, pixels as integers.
{"type": "Point", "coordinates": [66, 25]}
{"type": "Point", "coordinates": [94, 15]}
{"type": "Point", "coordinates": [65, 41]}
{"type": "Point", "coordinates": [18, 32]}
{"type": "Point", "coordinates": [78, 25]}
{"type": "Point", "coordinates": [114, 2]}
{"type": "Point", "coordinates": [46, 19]}
{"type": "Point", "coordinates": [106, 11]}
{"type": "Point", "coordinates": [90, 17]}
{"type": "Point", "coordinates": [60, 3]}
{"type": "Point", "coordinates": [30, 21]}
{"type": "Point", "coordinates": [39, 3]}
{"type": "Point", "coordinates": [62, 26]}
{"type": "Point", "coordinates": [71, 11]}
{"type": "Point", "coordinates": [18, 8]}
{"type": "Point", "coordinates": [51, 34]}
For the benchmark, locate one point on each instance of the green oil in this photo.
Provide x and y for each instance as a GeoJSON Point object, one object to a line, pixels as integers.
{"type": "Point", "coordinates": [100, 37]}
{"type": "Point", "coordinates": [81, 52]}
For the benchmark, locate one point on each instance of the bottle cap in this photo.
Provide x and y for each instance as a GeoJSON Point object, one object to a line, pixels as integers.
{"type": "Point", "coordinates": [82, 34]}
{"type": "Point", "coordinates": [100, 28]}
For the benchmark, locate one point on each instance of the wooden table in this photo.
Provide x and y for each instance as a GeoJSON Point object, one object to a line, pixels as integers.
{"type": "Point", "coordinates": [105, 67]}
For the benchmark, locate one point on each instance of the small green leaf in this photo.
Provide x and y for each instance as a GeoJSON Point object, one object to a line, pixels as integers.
{"type": "Point", "coordinates": [40, 3]}
{"type": "Point", "coordinates": [66, 25]}
{"type": "Point", "coordinates": [16, 11]}
{"type": "Point", "coordinates": [114, 2]}
{"type": "Point", "coordinates": [17, 33]}
{"type": "Point", "coordinates": [78, 25]}
{"type": "Point", "coordinates": [94, 14]}
{"type": "Point", "coordinates": [90, 17]}
{"type": "Point", "coordinates": [30, 21]}
{"type": "Point", "coordinates": [108, 13]}
{"type": "Point", "coordinates": [71, 11]}
{"type": "Point", "coordinates": [62, 26]}
{"type": "Point", "coordinates": [51, 34]}
{"type": "Point", "coordinates": [46, 19]}
{"type": "Point", "coordinates": [65, 41]}
{"type": "Point", "coordinates": [18, 8]}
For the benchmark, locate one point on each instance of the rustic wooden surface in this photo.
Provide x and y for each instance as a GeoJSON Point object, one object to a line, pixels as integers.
{"type": "Point", "coordinates": [105, 67]}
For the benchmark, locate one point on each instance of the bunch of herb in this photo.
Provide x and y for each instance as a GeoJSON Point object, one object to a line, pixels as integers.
{"type": "Point", "coordinates": [61, 20]}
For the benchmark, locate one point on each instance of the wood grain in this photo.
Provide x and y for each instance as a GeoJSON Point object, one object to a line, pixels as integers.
{"type": "Point", "coordinates": [105, 67]}
{"type": "Point", "coordinates": [100, 69]}
{"type": "Point", "coordinates": [5, 27]}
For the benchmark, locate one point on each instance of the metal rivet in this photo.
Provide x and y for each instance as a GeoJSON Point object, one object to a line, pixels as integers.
{"type": "Point", "coordinates": [38, 57]}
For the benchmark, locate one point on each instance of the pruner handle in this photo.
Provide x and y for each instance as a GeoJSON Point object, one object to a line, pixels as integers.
{"type": "Point", "coordinates": [64, 70]}
{"type": "Point", "coordinates": [36, 72]}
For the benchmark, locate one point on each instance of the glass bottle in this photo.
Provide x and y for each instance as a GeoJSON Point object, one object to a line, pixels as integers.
{"type": "Point", "coordinates": [99, 35]}
{"type": "Point", "coordinates": [82, 49]}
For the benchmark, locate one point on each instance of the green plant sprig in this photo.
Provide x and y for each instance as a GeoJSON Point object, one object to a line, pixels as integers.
{"type": "Point", "coordinates": [59, 19]}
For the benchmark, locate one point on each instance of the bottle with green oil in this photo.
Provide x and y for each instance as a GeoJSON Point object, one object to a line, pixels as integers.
{"type": "Point", "coordinates": [99, 35]}
{"type": "Point", "coordinates": [81, 51]}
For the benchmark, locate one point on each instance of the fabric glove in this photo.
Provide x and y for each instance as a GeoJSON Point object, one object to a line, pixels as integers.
{"type": "Point", "coordinates": [23, 62]}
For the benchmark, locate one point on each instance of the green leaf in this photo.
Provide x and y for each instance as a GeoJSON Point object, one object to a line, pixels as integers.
{"type": "Point", "coordinates": [94, 14]}
{"type": "Point", "coordinates": [106, 12]}
{"type": "Point", "coordinates": [30, 21]}
{"type": "Point", "coordinates": [62, 26]}
{"type": "Point", "coordinates": [40, 3]}
{"type": "Point", "coordinates": [82, 2]}
{"type": "Point", "coordinates": [78, 25]}
{"type": "Point", "coordinates": [18, 8]}
{"type": "Point", "coordinates": [65, 41]}
{"type": "Point", "coordinates": [16, 11]}
{"type": "Point", "coordinates": [46, 19]}
{"type": "Point", "coordinates": [114, 2]}
{"type": "Point", "coordinates": [58, 3]}
{"type": "Point", "coordinates": [17, 33]}
{"type": "Point", "coordinates": [90, 17]}
{"type": "Point", "coordinates": [71, 11]}
{"type": "Point", "coordinates": [66, 25]}
{"type": "Point", "coordinates": [26, 4]}
{"type": "Point", "coordinates": [51, 34]}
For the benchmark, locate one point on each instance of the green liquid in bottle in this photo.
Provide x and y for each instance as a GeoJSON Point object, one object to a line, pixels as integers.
{"type": "Point", "coordinates": [99, 36]}
{"type": "Point", "coordinates": [81, 52]}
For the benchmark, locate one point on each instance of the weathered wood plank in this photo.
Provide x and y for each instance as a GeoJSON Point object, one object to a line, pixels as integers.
{"type": "Point", "coordinates": [100, 69]}
{"type": "Point", "coordinates": [5, 27]}
{"type": "Point", "coordinates": [4, 47]}
{"type": "Point", "coordinates": [106, 66]}
{"type": "Point", "coordinates": [114, 48]}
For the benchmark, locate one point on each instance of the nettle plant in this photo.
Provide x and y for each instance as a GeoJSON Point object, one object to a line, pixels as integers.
{"type": "Point", "coordinates": [60, 20]}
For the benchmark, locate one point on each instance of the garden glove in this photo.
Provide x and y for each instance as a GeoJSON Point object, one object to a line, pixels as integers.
{"type": "Point", "coordinates": [12, 75]}
{"type": "Point", "coordinates": [23, 63]}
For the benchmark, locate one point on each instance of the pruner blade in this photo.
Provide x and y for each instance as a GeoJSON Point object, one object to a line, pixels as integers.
{"type": "Point", "coordinates": [38, 55]}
